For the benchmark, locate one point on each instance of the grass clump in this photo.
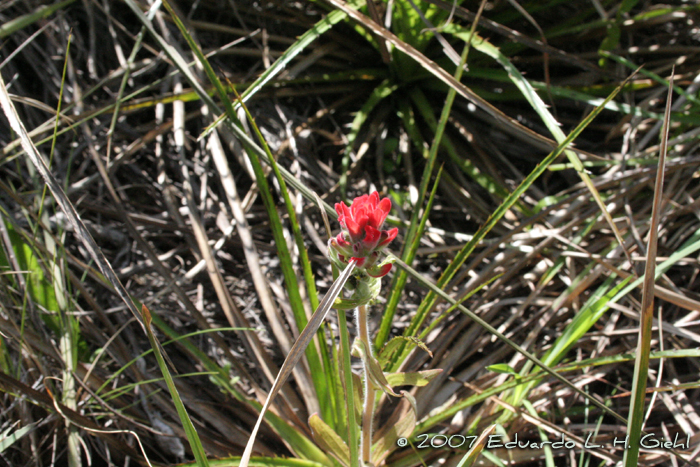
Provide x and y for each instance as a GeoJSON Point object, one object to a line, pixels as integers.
{"type": "Point", "coordinates": [164, 241]}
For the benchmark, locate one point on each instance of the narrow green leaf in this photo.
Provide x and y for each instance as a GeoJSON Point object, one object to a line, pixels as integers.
{"type": "Point", "coordinates": [641, 364]}
{"type": "Point", "coordinates": [9, 437]}
{"type": "Point", "coordinates": [410, 248]}
{"type": "Point", "coordinates": [297, 351]}
{"type": "Point", "coordinates": [329, 440]}
{"type": "Point", "coordinates": [280, 64]}
{"type": "Point", "coordinates": [502, 368]}
{"type": "Point", "coordinates": [463, 254]}
{"type": "Point", "coordinates": [470, 401]}
{"type": "Point", "coordinates": [350, 386]}
{"type": "Point", "coordinates": [190, 431]}
{"type": "Point", "coordinates": [475, 451]}
{"type": "Point", "coordinates": [420, 378]}
{"type": "Point", "coordinates": [23, 21]}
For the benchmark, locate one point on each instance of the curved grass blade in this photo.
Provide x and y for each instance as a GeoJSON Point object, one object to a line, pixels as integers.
{"type": "Point", "coordinates": [464, 253]}
{"type": "Point", "coordinates": [66, 206]}
{"type": "Point", "coordinates": [319, 375]}
{"type": "Point", "coordinates": [641, 364]}
{"type": "Point", "coordinates": [192, 436]}
{"type": "Point", "coordinates": [297, 351]}
{"type": "Point", "coordinates": [295, 49]}
{"type": "Point", "coordinates": [541, 108]}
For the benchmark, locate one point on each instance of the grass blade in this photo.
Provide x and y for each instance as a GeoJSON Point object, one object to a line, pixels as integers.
{"type": "Point", "coordinates": [464, 253]}
{"type": "Point", "coordinates": [66, 206]}
{"type": "Point", "coordinates": [412, 245]}
{"type": "Point", "coordinates": [192, 436]}
{"type": "Point", "coordinates": [541, 108]}
{"type": "Point", "coordinates": [319, 375]}
{"type": "Point", "coordinates": [297, 351]}
{"type": "Point", "coordinates": [23, 21]}
{"type": "Point", "coordinates": [641, 365]}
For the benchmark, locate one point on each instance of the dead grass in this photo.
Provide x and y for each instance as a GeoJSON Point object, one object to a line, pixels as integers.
{"type": "Point", "coordinates": [197, 248]}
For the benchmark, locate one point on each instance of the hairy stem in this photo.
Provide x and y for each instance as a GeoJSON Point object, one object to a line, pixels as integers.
{"type": "Point", "coordinates": [347, 373]}
{"type": "Point", "coordinates": [369, 395]}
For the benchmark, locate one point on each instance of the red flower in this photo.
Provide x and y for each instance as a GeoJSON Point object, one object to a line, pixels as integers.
{"type": "Point", "coordinates": [362, 237]}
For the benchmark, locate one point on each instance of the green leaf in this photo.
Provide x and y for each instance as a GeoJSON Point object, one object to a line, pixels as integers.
{"type": "Point", "coordinates": [502, 368]}
{"type": "Point", "coordinates": [400, 425]}
{"type": "Point", "coordinates": [419, 379]}
{"type": "Point", "coordinates": [375, 375]}
{"type": "Point", "coordinates": [190, 431]}
{"type": "Point", "coordinates": [329, 440]}
{"type": "Point", "coordinates": [9, 437]}
{"type": "Point", "coordinates": [397, 343]}
{"type": "Point", "coordinates": [9, 27]}
{"type": "Point", "coordinates": [474, 453]}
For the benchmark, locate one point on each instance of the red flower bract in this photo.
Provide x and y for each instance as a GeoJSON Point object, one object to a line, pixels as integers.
{"type": "Point", "coordinates": [362, 237]}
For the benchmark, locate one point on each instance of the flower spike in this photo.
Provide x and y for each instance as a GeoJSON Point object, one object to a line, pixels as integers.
{"type": "Point", "coordinates": [362, 237]}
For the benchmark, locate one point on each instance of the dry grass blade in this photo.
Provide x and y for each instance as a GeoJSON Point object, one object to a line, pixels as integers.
{"type": "Point", "coordinates": [66, 206]}
{"type": "Point", "coordinates": [297, 351]}
{"type": "Point", "coordinates": [641, 366]}
{"type": "Point", "coordinates": [508, 123]}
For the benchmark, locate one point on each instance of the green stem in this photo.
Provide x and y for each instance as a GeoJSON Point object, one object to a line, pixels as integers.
{"type": "Point", "coordinates": [369, 395]}
{"type": "Point", "coordinates": [349, 393]}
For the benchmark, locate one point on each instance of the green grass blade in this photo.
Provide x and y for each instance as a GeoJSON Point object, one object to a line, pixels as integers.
{"type": "Point", "coordinates": [9, 437]}
{"type": "Point", "coordinates": [23, 21]}
{"type": "Point", "coordinates": [296, 352]}
{"type": "Point", "coordinates": [464, 253]}
{"type": "Point", "coordinates": [399, 282]}
{"type": "Point", "coordinates": [413, 235]}
{"type": "Point", "coordinates": [484, 180]}
{"type": "Point", "coordinates": [353, 437]}
{"type": "Point", "coordinates": [192, 436]}
{"type": "Point", "coordinates": [319, 374]}
{"type": "Point", "coordinates": [641, 364]}
{"type": "Point", "coordinates": [594, 308]}
{"type": "Point", "coordinates": [280, 64]}
{"type": "Point", "coordinates": [541, 108]}
{"type": "Point", "coordinates": [379, 93]}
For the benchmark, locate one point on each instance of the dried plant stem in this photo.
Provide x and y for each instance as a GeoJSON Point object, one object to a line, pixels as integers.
{"type": "Point", "coordinates": [369, 393]}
